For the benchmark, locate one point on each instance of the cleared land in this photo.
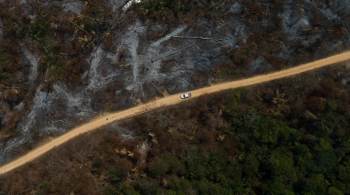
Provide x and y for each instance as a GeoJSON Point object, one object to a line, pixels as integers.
{"type": "Point", "coordinates": [168, 101]}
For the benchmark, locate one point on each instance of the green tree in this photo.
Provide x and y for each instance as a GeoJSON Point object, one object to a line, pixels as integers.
{"type": "Point", "coordinates": [315, 184]}
{"type": "Point", "coordinates": [282, 165]}
{"type": "Point", "coordinates": [334, 191]}
{"type": "Point", "coordinates": [180, 185]}
{"type": "Point", "coordinates": [158, 167]}
{"type": "Point", "coordinates": [127, 189]}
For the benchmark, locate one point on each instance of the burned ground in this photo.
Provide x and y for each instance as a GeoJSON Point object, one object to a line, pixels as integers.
{"type": "Point", "coordinates": [66, 61]}
{"type": "Point", "coordinates": [289, 136]}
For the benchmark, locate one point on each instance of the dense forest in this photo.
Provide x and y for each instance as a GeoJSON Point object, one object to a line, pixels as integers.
{"type": "Point", "coordinates": [287, 137]}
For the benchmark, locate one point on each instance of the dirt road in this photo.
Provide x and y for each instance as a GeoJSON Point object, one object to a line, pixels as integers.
{"type": "Point", "coordinates": [167, 101]}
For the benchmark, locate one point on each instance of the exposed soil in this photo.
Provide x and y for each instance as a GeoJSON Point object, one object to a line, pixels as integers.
{"type": "Point", "coordinates": [58, 57]}
{"type": "Point", "coordinates": [119, 156]}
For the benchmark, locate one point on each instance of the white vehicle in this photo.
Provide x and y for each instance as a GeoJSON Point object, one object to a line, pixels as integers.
{"type": "Point", "coordinates": [185, 95]}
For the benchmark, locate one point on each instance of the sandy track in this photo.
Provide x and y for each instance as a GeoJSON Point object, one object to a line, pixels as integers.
{"type": "Point", "coordinates": [168, 101]}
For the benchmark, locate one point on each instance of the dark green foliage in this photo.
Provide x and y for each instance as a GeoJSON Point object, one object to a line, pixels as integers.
{"type": "Point", "coordinates": [158, 167]}
{"type": "Point", "coordinates": [273, 155]}
{"type": "Point", "coordinates": [38, 29]}
{"type": "Point", "coordinates": [166, 164]}
{"type": "Point", "coordinates": [334, 191]}
{"type": "Point", "coordinates": [128, 190]}
{"type": "Point", "coordinates": [147, 186]}
{"type": "Point", "coordinates": [117, 175]}
{"type": "Point", "coordinates": [119, 172]}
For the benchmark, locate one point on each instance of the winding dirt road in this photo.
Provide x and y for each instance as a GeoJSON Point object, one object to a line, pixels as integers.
{"type": "Point", "coordinates": [167, 101]}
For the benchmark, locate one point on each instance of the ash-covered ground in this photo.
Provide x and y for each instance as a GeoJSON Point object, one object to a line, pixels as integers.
{"type": "Point", "coordinates": [64, 62]}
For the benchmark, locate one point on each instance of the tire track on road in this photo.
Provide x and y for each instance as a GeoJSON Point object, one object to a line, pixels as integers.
{"type": "Point", "coordinates": [165, 102]}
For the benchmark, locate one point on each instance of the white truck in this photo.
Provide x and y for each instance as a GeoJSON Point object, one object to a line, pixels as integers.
{"type": "Point", "coordinates": [185, 95]}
